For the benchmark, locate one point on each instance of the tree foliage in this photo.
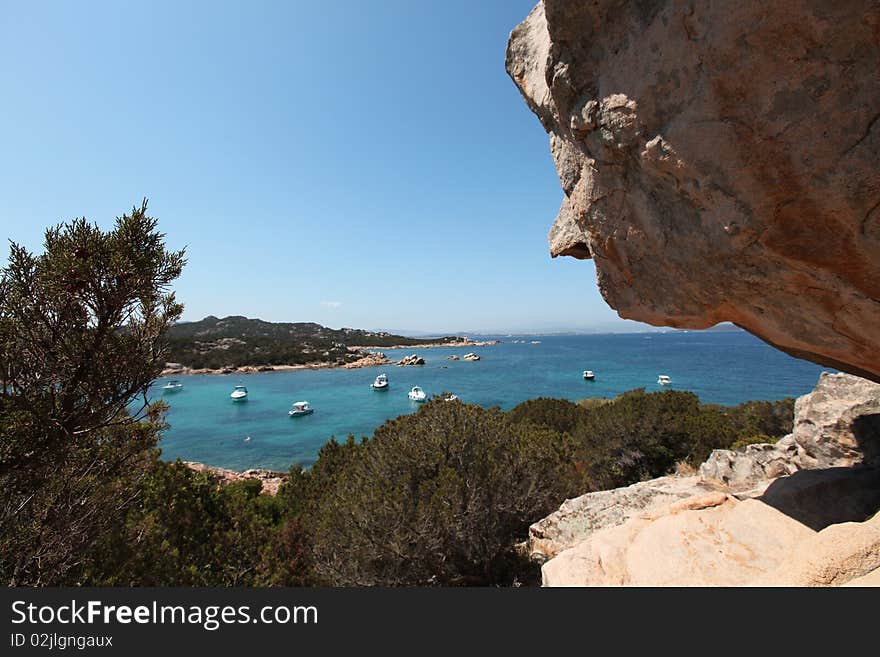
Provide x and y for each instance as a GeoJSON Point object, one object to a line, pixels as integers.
{"type": "Point", "coordinates": [81, 337]}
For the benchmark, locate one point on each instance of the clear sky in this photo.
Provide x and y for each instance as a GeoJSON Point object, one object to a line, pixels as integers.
{"type": "Point", "coordinates": [364, 164]}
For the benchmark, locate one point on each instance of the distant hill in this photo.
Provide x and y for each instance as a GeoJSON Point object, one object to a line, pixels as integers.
{"type": "Point", "coordinates": [238, 341]}
{"type": "Point", "coordinates": [724, 326]}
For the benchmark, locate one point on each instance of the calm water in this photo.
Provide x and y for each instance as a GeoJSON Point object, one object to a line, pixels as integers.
{"type": "Point", "coordinates": [720, 367]}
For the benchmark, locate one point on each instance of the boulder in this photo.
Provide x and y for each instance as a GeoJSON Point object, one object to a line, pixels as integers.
{"type": "Point", "coordinates": [368, 359]}
{"type": "Point", "coordinates": [413, 359]}
{"type": "Point", "coordinates": [710, 541]}
{"type": "Point", "coordinates": [838, 554]}
{"type": "Point", "coordinates": [838, 424]}
{"type": "Point", "coordinates": [718, 161]}
{"type": "Point", "coordinates": [750, 469]}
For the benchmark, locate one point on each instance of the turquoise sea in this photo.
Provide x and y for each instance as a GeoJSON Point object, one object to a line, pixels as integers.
{"type": "Point", "coordinates": [725, 367]}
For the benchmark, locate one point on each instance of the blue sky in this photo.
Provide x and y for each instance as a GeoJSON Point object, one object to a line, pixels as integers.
{"type": "Point", "coordinates": [364, 164]}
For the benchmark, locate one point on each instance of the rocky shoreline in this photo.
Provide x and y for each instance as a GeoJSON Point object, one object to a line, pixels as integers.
{"type": "Point", "coordinates": [270, 479]}
{"type": "Point", "coordinates": [373, 359]}
{"type": "Point", "coordinates": [366, 358]}
{"type": "Point", "coordinates": [434, 345]}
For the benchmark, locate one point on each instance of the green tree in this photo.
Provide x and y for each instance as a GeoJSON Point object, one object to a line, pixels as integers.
{"type": "Point", "coordinates": [82, 336]}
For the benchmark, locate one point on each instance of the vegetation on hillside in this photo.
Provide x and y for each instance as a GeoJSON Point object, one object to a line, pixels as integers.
{"type": "Point", "coordinates": [237, 341]}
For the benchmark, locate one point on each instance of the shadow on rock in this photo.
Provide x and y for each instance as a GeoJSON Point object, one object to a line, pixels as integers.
{"type": "Point", "coordinates": [818, 498]}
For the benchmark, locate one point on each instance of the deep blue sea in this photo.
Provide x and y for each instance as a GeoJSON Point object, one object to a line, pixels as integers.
{"type": "Point", "coordinates": [721, 367]}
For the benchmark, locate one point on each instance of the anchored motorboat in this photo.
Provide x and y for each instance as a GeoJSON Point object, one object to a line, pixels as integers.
{"type": "Point", "coordinates": [240, 393]}
{"type": "Point", "coordinates": [664, 380]}
{"type": "Point", "coordinates": [381, 383]}
{"type": "Point", "coordinates": [300, 408]}
{"type": "Point", "coordinates": [172, 386]}
{"type": "Point", "coordinates": [588, 375]}
{"type": "Point", "coordinates": [417, 394]}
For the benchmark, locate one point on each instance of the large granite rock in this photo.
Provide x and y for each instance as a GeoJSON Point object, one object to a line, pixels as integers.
{"type": "Point", "coordinates": [713, 541]}
{"type": "Point", "coordinates": [577, 518]}
{"type": "Point", "coordinates": [413, 359]}
{"type": "Point", "coordinates": [718, 541]}
{"type": "Point", "coordinates": [838, 424]}
{"type": "Point", "coordinates": [719, 161]}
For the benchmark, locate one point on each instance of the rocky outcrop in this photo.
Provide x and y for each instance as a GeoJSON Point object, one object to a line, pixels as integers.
{"type": "Point", "coordinates": [369, 359]}
{"type": "Point", "coordinates": [578, 518]}
{"type": "Point", "coordinates": [836, 425]}
{"type": "Point", "coordinates": [715, 540]}
{"type": "Point", "coordinates": [413, 359]}
{"type": "Point", "coordinates": [803, 511]}
{"type": "Point", "coordinates": [270, 479]}
{"type": "Point", "coordinates": [718, 162]}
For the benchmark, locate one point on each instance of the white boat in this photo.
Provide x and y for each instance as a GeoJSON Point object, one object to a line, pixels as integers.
{"type": "Point", "coordinates": [470, 356]}
{"type": "Point", "coordinates": [588, 375]}
{"type": "Point", "coordinates": [239, 393]}
{"type": "Point", "coordinates": [300, 408]}
{"type": "Point", "coordinates": [664, 380]}
{"type": "Point", "coordinates": [417, 394]}
{"type": "Point", "coordinates": [172, 386]}
{"type": "Point", "coordinates": [381, 383]}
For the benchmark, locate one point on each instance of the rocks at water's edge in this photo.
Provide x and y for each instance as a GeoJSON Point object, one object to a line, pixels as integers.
{"type": "Point", "coordinates": [413, 359]}
{"type": "Point", "coordinates": [802, 511]}
{"type": "Point", "coordinates": [369, 359]}
{"type": "Point", "coordinates": [362, 359]}
{"type": "Point", "coordinates": [270, 479]}
{"type": "Point", "coordinates": [713, 170]}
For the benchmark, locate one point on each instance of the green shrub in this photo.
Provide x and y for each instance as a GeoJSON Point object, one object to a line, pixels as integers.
{"type": "Point", "coordinates": [641, 435]}
{"type": "Point", "coordinates": [559, 414]}
{"type": "Point", "coordinates": [188, 530]}
{"type": "Point", "coordinates": [742, 443]}
{"type": "Point", "coordinates": [438, 497]}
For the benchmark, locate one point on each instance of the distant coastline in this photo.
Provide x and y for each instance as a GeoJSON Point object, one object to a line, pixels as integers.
{"type": "Point", "coordinates": [367, 357]}
{"type": "Point", "coordinates": [174, 369]}
{"type": "Point", "coordinates": [465, 342]}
